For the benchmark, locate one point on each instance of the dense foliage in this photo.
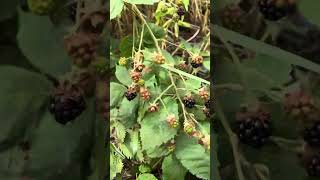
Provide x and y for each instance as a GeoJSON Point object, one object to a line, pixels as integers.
{"type": "Point", "coordinates": [160, 95]}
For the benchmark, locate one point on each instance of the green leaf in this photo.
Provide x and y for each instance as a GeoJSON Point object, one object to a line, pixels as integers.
{"type": "Point", "coordinates": [157, 31]}
{"type": "Point", "coordinates": [265, 49]}
{"type": "Point", "coordinates": [116, 93]}
{"type": "Point", "coordinates": [116, 165]}
{"type": "Point", "coordinates": [128, 111]}
{"type": "Point", "coordinates": [147, 2]}
{"type": "Point", "coordinates": [146, 177]}
{"type": "Point", "coordinates": [282, 164]}
{"type": "Point", "coordinates": [72, 144]}
{"type": "Point", "coordinates": [155, 123]}
{"type": "Point", "coordinates": [271, 67]}
{"type": "Point", "coordinates": [126, 45]}
{"type": "Point", "coordinates": [42, 43]}
{"type": "Point", "coordinates": [172, 169]}
{"type": "Point", "coordinates": [122, 75]}
{"type": "Point", "coordinates": [135, 142]}
{"type": "Point", "coordinates": [310, 9]}
{"type": "Point", "coordinates": [186, 4]}
{"type": "Point", "coordinates": [193, 84]}
{"type": "Point", "coordinates": [144, 168]}
{"type": "Point", "coordinates": [193, 156]}
{"type": "Point", "coordinates": [22, 95]}
{"type": "Point", "coordinates": [120, 131]}
{"type": "Point", "coordinates": [116, 7]}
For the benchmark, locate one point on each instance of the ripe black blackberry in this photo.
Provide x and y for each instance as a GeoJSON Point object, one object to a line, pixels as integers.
{"type": "Point", "coordinates": [313, 166]}
{"type": "Point", "coordinates": [207, 104]}
{"type": "Point", "coordinates": [131, 94]}
{"type": "Point", "coordinates": [196, 61]}
{"type": "Point", "coordinates": [189, 102]}
{"type": "Point", "coordinates": [196, 65]}
{"type": "Point", "coordinates": [66, 104]}
{"type": "Point", "coordinates": [312, 135]}
{"type": "Point", "coordinates": [253, 128]}
{"type": "Point", "coordinates": [181, 11]}
{"type": "Point", "coordinates": [274, 10]}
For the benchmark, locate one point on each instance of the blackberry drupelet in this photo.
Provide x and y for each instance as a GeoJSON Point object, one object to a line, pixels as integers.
{"type": "Point", "coordinates": [275, 10]}
{"type": "Point", "coordinates": [253, 128]}
{"type": "Point", "coordinates": [181, 11]}
{"type": "Point", "coordinates": [312, 135]}
{"type": "Point", "coordinates": [189, 102]}
{"type": "Point", "coordinates": [66, 104]}
{"type": "Point", "coordinates": [313, 166]}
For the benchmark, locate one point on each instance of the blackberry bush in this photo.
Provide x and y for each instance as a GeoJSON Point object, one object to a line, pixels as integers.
{"type": "Point", "coordinates": [156, 122]}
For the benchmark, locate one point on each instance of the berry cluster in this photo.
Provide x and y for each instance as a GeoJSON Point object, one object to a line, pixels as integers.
{"type": "Point", "coordinates": [196, 61]}
{"type": "Point", "coordinates": [81, 47]}
{"type": "Point", "coordinates": [232, 17]}
{"type": "Point", "coordinates": [189, 101]}
{"type": "Point", "coordinates": [300, 105]}
{"type": "Point", "coordinates": [312, 135]}
{"type": "Point", "coordinates": [158, 58]}
{"type": "Point", "coordinates": [172, 121]}
{"type": "Point", "coordinates": [66, 103]}
{"type": "Point", "coordinates": [131, 93]}
{"type": "Point", "coordinates": [181, 11]}
{"type": "Point", "coordinates": [253, 127]}
{"type": "Point", "coordinates": [275, 10]}
{"type": "Point", "coordinates": [313, 166]}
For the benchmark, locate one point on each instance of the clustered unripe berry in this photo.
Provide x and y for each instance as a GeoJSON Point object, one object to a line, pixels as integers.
{"type": "Point", "coordinates": [81, 47]}
{"type": "Point", "coordinates": [196, 61]}
{"type": "Point", "coordinates": [172, 121]}
{"type": "Point", "coordinates": [189, 127]}
{"type": "Point", "coordinates": [139, 67]}
{"type": "Point", "coordinates": [204, 94]}
{"type": "Point", "coordinates": [275, 10]}
{"type": "Point", "coordinates": [189, 101]}
{"type": "Point", "coordinates": [232, 17]}
{"type": "Point", "coordinates": [122, 61]}
{"type": "Point", "coordinates": [299, 105]}
{"type": "Point", "coordinates": [135, 76]}
{"type": "Point", "coordinates": [141, 82]}
{"type": "Point", "coordinates": [253, 127]}
{"type": "Point", "coordinates": [66, 103]}
{"type": "Point", "coordinates": [144, 93]}
{"type": "Point", "coordinates": [158, 58]}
